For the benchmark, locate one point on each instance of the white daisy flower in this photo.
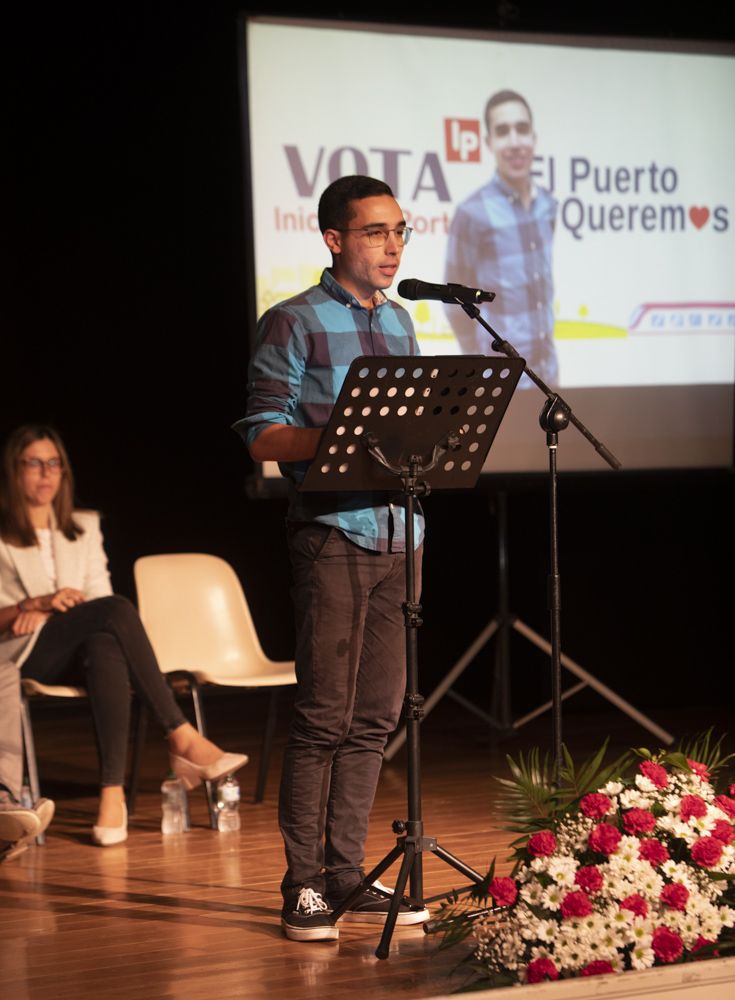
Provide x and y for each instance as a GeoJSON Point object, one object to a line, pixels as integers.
{"type": "Point", "coordinates": [642, 957]}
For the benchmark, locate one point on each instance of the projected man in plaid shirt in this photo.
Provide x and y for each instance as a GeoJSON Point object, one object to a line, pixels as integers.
{"type": "Point", "coordinates": [501, 239]}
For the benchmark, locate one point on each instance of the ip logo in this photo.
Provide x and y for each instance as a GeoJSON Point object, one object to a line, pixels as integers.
{"type": "Point", "coordinates": [462, 139]}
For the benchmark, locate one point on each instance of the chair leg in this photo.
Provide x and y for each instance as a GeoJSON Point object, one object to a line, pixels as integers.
{"type": "Point", "coordinates": [30, 755]}
{"type": "Point", "coordinates": [141, 728]}
{"type": "Point", "coordinates": [265, 753]}
{"type": "Point", "coordinates": [196, 697]}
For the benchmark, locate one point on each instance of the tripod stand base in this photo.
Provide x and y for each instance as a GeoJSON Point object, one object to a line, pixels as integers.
{"type": "Point", "coordinates": [507, 728]}
{"type": "Point", "coordinates": [410, 848]}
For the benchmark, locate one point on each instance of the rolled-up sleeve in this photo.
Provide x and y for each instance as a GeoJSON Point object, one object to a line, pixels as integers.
{"type": "Point", "coordinates": [275, 374]}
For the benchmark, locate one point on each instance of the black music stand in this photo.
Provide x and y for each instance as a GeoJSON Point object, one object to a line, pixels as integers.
{"type": "Point", "coordinates": [428, 423]}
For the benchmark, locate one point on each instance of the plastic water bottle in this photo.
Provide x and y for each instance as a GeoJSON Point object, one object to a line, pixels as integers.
{"type": "Point", "coordinates": [228, 805]}
{"type": "Point", "coordinates": [26, 799]}
{"type": "Point", "coordinates": [173, 798]}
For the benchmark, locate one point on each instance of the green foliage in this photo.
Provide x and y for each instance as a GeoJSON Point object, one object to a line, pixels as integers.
{"type": "Point", "coordinates": [530, 797]}
{"type": "Point", "coordinates": [533, 798]}
{"type": "Point", "coordinates": [702, 749]}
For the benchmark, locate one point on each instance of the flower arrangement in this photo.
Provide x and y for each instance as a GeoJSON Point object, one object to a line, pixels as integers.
{"type": "Point", "coordinates": [622, 868]}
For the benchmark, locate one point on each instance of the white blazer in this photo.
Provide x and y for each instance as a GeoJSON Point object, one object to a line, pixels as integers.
{"type": "Point", "coordinates": [81, 564]}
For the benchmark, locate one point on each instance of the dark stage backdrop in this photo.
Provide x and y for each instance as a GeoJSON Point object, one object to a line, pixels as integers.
{"type": "Point", "coordinates": [131, 337]}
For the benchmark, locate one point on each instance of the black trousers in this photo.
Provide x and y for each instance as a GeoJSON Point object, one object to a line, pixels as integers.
{"type": "Point", "coordinates": [102, 646]}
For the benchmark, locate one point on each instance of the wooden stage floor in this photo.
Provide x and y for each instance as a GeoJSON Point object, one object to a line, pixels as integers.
{"type": "Point", "coordinates": [197, 915]}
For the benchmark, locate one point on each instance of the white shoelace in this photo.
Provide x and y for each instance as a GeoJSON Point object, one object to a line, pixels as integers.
{"type": "Point", "coordinates": [310, 902]}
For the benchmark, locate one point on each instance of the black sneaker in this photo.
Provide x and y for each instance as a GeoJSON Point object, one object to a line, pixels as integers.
{"type": "Point", "coordinates": [372, 905]}
{"type": "Point", "coordinates": [308, 918]}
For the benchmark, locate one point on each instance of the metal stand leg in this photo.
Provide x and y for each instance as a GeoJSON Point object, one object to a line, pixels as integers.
{"type": "Point", "coordinates": [196, 697]}
{"type": "Point", "coordinates": [30, 755]}
{"type": "Point", "coordinates": [265, 754]}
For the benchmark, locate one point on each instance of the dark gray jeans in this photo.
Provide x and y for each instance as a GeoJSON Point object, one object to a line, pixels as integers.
{"type": "Point", "coordinates": [350, 666]}
{"type": "Point", "coordinates": [102, 645]}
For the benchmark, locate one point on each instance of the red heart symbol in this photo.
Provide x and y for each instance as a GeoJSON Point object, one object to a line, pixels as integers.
{"type": "Point", "coordinates": [698, 216]}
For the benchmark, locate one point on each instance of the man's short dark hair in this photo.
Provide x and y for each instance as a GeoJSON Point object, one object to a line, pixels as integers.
{"type": "Point", "coordinates": [503, 97]}
{"type": "Point", "coordinates": [335, 211]}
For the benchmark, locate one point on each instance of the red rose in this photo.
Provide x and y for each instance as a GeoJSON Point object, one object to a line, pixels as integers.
{"type": "Point", "coordinates": [675, 896]}
{"type": "Point", "coordinates": [542, 844]}
{"type": "Point", "coordinates": [604, 838]}
{"type": "Point", "coordinates": [723, 831]}
{"type": "Point", "coordinates": [707, 851]}
{"type": "Point", "coordinates": [667, 945]}
{"type": "Point", "coordinates": [727, 805]}
{"type": "Point", "coordinates": [639, 821]}
{"type": "Point", "coordinates": [702, 942]}
{"type": "Point", "coordinates": [589, 879]}
{"type": "Point", "coordinates": [653, 851]}
{"type": "Point", "coordinates": [540, 969]}
{"type": "Point", "coordinates": [655, 773]}
{"type": "Point", "coordinates": [595, 805]}
{"type": "Point", "coordinates": [504, 891]}
{"type": "Point", "coordinates": [692, 805]}
{"type": "Point", "coordinates": [597, 968]}
{"type": "Point", "coordinates": [576, 904]}
{"type": "Point", "coordinates": [636, 904]}
{"type": "Point", "coordinates": [701, 769]}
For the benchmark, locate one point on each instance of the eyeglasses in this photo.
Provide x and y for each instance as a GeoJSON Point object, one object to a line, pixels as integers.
{"type": "Point", "coordinates": [379, 237]}
{"type": "Point", "coordinates": [38, 464]}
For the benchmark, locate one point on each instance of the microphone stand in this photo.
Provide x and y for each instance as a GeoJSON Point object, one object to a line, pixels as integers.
{"type": "Point", "coordinates": [556, 415]}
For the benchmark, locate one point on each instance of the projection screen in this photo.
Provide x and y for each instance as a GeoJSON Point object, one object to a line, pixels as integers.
{"type": "Point", "coordinates": [634, 146]}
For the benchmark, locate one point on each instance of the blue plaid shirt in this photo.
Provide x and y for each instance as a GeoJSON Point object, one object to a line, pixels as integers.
{"type": "Point", "coordinates": [305, 346]}
{"type": "Point", "coordinates": [497, 244]}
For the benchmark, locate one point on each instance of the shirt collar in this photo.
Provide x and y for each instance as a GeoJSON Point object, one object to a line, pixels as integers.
{"type": "Point", "coordinates": [333, 288]}
{"type": "Point", "coordinates": [504, 188]}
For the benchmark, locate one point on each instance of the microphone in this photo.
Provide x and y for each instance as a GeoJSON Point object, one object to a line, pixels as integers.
{"type": "Point", "coordinates": [411, 288]}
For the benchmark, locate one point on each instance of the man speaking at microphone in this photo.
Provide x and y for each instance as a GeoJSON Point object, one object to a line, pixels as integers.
{"type": "Point", "coordinates": [347, 556]}
{"type": "Point", "coordinates": [501, 238]}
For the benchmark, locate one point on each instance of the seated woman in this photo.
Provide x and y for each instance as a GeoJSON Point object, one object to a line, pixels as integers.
{"type": "Point", "coordinates": [60, 622]}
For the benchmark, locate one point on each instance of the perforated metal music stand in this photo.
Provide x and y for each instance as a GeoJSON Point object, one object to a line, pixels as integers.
{"type": "Point", "coordinates": [412, 407]}
{"type": "Point", "coordinates": [427, 423]}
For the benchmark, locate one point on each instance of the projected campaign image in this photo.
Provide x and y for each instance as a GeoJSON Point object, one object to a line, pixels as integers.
{"type": "Point", "coordinates": [612, 271]}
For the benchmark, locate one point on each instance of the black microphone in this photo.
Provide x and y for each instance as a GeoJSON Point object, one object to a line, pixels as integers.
{"type": "Point", "coordinates": [411, 288]}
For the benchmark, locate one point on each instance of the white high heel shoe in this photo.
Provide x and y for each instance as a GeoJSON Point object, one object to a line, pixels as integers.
{"type": "Point", "coordinates": [107, 836]}
{"type": "Point", "coordinates": [190, 775]}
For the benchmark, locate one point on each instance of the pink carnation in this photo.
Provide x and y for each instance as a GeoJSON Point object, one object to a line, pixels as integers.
{"type": "Point", "coordinates": [504, 891]}
{"type": "Point", "coordinates": [636, 904]}
{"type": "Point", "coordinates": [542, 844]}
{"type": "Point", "coordinates": [639, 821]}
{"type": "Point", "coordinates": [701, 769]}
{"type": "Point", "coordinates": [692, 805]}
{"type": "Point", "coordinates": [653, 851]}
{"type": "Point", "coordinates": [604, 838]}
{"type": "Point", "coordinates": [589, 878]}
{"type": "Point", "coordinates": [667, 945]}
{"type": "Point", "coordinates": [595, 805]}
{"type": "Point", "coordinates": [597, 968]}
{"type": "Point", "coordinates": [726, 804]}
{"type": "Point", "coordinates": [707, 851]}
{"type": "Point", "coordinates": [576, 904]}
{"type": "Point", "coordinates": [540, 969]}
{"type": "Point", "coordinates": [675, 896]}
{"type": "Point", "coordinates": [723, 831]}
{"type": "Point", "coordinates": [655, 773]}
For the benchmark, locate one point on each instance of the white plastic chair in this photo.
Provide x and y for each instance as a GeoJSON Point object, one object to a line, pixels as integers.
{"type": "Point", "coordinates": [197, 618]}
